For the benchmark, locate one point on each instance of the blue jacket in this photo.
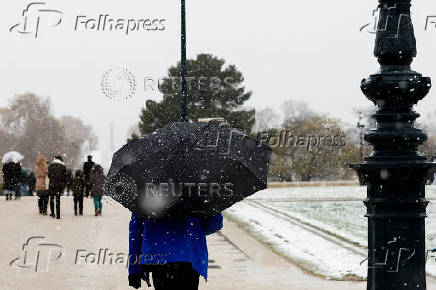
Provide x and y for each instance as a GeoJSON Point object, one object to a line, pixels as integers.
{"type": "Point", "coordinates": [156, 241]}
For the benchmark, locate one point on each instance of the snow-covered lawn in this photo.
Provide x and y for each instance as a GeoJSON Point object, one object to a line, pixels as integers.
{"type": "Point", "coordinates": [321, 228]}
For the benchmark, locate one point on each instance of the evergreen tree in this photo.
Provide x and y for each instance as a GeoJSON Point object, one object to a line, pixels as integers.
{"type": "Point", "coordinates": [213, 91]}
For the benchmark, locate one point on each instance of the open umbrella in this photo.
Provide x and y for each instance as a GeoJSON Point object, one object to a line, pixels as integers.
{"type": "Point", "coordinates": [12, 156]}
{"type": "Point", "coordinates": [187, 169]}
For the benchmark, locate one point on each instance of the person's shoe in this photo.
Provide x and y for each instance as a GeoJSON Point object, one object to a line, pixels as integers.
{"type": "Point", "coordinates": [81, 213]}
{"type": "Point", "coordinates": [52, 215]}
{"type": "Point", "coordinates": [75, 213]}
{"type": "Point", "coordinates": [58, 218]}
{"type": "Point", "coordinates": [44, 213]}
{"type": "Point", "coordinates": [40, 212]}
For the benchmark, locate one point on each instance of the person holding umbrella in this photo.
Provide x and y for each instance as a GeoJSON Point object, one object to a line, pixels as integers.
{"type": "Point", "coordinates": [11, 174]}
{"type": "Point", "coordinates": [174, 251]}
{"type": "Point", "coordinates": [57, 173]}
{"type": "Point", "coordinates": [41, 168]}
{"type": "Point", "coordinates": [168, 233]}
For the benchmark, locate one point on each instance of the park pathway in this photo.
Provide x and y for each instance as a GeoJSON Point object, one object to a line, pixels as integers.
{"type": "Point", "coordinates": [237, 261]}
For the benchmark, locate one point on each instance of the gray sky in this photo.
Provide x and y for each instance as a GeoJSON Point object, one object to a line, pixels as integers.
{"type": "Point", "coordinates": [305, 50]}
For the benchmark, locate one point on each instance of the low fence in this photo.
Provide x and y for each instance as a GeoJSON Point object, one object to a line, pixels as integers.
{"type": "Point", "coordinates": [313, 183]}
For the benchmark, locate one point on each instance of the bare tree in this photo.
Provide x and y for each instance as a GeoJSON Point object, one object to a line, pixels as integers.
{"type": "Point", "coordinates": [30, 128]}
{"type": "Point", "coordinates": [77, 134]}
{"type": "Point", "coordinates": [294, 110]}
{"type": "Point", "coordinates": [266, 119]}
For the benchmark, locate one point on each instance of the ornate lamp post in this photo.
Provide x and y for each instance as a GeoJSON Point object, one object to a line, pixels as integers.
{"type": "Point", "coordinates": [395, 172]}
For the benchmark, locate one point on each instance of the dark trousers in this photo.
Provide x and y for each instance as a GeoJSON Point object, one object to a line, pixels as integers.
{"type": "Point", "coordinates": [8, 195]}
{"type": "Point", "coordinates": [178, 275]}
{"type": "Point", "coordinates": [87, 187]}
{"type": "Point", "coordinates": [42, 200]}
{"type": "Point", "coordinates": [78, 200]}
{"type": "Point", "coordinates": [56, 196]}
{"type": "Point", "coordinates": [17, 191]}
{"type": "Point", "coordinates": [44, 203]}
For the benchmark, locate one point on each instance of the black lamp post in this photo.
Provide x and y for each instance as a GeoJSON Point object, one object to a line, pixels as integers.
{"type": "Point", "coordinates": [360, 126]}
{"type": "Point", "coordinates": [184, 103]}
{"type": "Point", "coordinates": [395, 172]}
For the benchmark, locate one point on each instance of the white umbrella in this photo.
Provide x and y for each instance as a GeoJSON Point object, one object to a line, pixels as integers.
{"type": "Point", "coordinates": [12, 156]}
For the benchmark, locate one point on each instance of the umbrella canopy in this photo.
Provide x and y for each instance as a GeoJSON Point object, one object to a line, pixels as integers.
{"type": "Point", "coordinates": [187, 169]}
{"type": "Point", "coordinates": [12, 156]}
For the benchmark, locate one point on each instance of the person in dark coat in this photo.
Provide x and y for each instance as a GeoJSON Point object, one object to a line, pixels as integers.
{"type": "Point", "coordinates": [174, 251]}
{"type": "Point", "coordinates": [97, 180]}
{"type": "Point", "coordinates": [87, 167]}
{"type": "Point", "coordinates": [69, 179]}
{"type": "Point", "coordinates": [11, 176]}
{"type": "Point", "coordinates": [57, 173]}
{"type": "Point", "coordinates": [32, 182]}
{"type": "Point", "coordinates": [24, 183]}
{"type": "Point", "coordinates": [78, 188]}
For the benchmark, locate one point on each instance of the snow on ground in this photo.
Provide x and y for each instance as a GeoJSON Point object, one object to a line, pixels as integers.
{"type": "Point", "coordinates": [321, 228]}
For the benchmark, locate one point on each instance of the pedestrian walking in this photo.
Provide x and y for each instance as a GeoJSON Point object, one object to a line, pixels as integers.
{"type": "Point", "coordinates": [174, 251]}
{"type": "Point", "coordinates": [42, 182]}
{"type": "Point", "coordinates": [78, 188]}
{"type": "Point", "coordinates": [24, 183]}
{"type": "Point", "coordinates": [97, 180]}
{"type": "Point", "coordinates": [69, 179]}
{"type": "Point", "coordinates": [11, 176]}
{"type": "Point", "coordinates": [58, 179]}
{"type": "Point", "coordinates": [87, 167]}
{"type": "Point", "coordinates": [32, 182]}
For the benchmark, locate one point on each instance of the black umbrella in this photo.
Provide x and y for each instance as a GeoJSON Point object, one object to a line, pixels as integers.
{"type": "Point", "coordinates": [187, 169]}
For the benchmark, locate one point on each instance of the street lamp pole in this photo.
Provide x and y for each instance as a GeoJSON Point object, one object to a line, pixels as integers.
{"type": "Point", "coordinates": [184, 103]}
{"type": "Point", "coordinates": [360, 126]}
{"type": "Point", "coordinates": [395, 172]}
